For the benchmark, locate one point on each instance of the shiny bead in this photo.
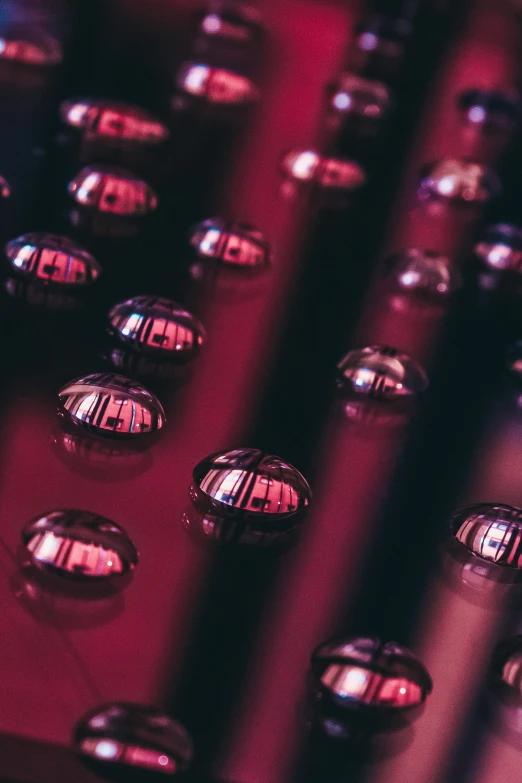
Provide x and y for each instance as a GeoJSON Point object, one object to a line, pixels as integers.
{"type": "Point", "coordinates": [459, 180]}
{"type": "Point", "coordinates": [384, 36]}
{"type": "Point", "coordinates": [110, 405]}
{"type": "Point", "coordinates": [500, 247]}
{"type": "Point", "coordinates": [355, 95]}
{"type": "Point", "coordinates": [79, 545]}
{"type": "Point", "coordinates": [156, 326]}
{"type": "Point", "coordinates": [324, 172]}
{"type": "Point", "coordinates": [250, 484]}
{"type": "Point", "coordinates": [113, 191]}
{"type": "Point", "coordinates": [134, 737]}
{"type": "Point", "coordinates": [365, 675]}
{"type": "Point", "coordinates": [51, 259]}
{"type": "Point", "coordinates": [234, 244]}
{"type": "Point", "coordinates": [27, 45]}
{"type": "Point", "coordinates": [424, 272]}
{"type": "Point", "coordinates": [232, 22]}
{"type": "Point", "coordinates": [210, 531]}
{"type": "Point", "coordinates": [217, 86]}
{"type": "Point", "coordinates": [491, 109]}
{"type": "Point", "coordinates": [380, 372]}
{"type": "Point", "coordinates": [100, 118]}
{"type": "Point", "coordinates": [491, 531]}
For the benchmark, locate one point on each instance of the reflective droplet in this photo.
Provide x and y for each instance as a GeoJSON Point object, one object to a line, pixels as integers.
{"type": "Point", "coordinates": [217, 86]}
{"type": "Point", "coordinates": [424, 272]}
{"type": "Point", "coordinates": [380, 372]}
{"type": "Point", "coordinates": [250, 484]}
{"type": "Point", "coordinates": [100, 118]}
{"type": "Point", "coordinates": [111, 405]}
{"type": "Point", "coordinates": [114, 191]}
{"type": "Point", "coordinates": [500, 247]}
{"type": "Point", "coordinates": [370, 675]}
{"type": "Point", "coordinates": [491, 531]}
{"type": "Point", "coordinates": [491, 109]}
{"type": "Point", "coordinates": [232, 22]}
{"type": "Point", "coordinates": [365, 98]}
{"type": "Point", "coordinates": [459, 180]}
{"type": "Point", "coordinates": [135, 737]}
{"type": "Point", "coordinates": [383, 35]}
{"type": "Point", "coordinates": [29, 45]}
{"type": "Point", "coordinates": [52, 260]}
{"type": "Point", "coordinates": [234, 244]}
{"type": "Point", "coordinates": [324, 172]}
{"type": "Point", "coordinates": [157, 326]}
{"type": "Point", "coordinates": [79, 545]}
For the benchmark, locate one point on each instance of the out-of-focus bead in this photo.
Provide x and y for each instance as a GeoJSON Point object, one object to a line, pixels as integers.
{"type": "Point", "coordinates": [459, 180]}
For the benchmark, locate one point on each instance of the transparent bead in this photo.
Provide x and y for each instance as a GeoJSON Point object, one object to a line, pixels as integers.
{"type": "Point", "coordinates": [51, 259]}
{"type": "Point", "coordinates": [424, 272]}
{"type": "Point", "coordinates": [217, 86]}
{"type": "Point", "coordinates": [380, 372]}
{"type": "Point", "coordinates": [157, 326]}
{"type": "Point", "coordinates": [490, 531]}
{"type": "Point", "coordinates": [28, 45]}
{"type": "Point", "coordinates": [110, 405]}
{"type": "Point", "coordinates": [250, 484]}
{"type": "Point", "coordinates": [362, 674]}
{"type": "Point", "coordinates": [234, 244]}
{"type": "Point", "coordinates": [242, 532]}
{"type": "Point", "coordinates": [113, 191]}
{"type": "Point", "coordinates": [459, 180]}
{"type": "Point", "coordinates": [491, 109]}
{"type": "Point", "coordinates": [233, 22]}
{"type": "Point", "coordinates": [500, 247]}
{"type": "Point", "coordinates": [106, 119]}
{"type": "Point", "coordinates": [324, 172]}
{"type": "Point", "coordinates": [79, 545]}
{"type": "Point", "coordinates": [135, 737]}
{"type": "Point", "coordinates": [383, 35]}
{"type": "Point", "coordinates": [355, 95]}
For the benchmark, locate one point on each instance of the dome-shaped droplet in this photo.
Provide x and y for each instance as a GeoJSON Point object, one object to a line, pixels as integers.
{"type": "Point", "coordinates": [216, 86]}
{"type": "Point", "coordinates": [50, 259]}
{"type": "Point", "coordinates": [491, 531]}
{"type": "Point", "coordinates": [381, 372]}
{"type": "Point", "coordinates": [233, 22]}
{"type": "Point", "coordinates": [157, 326]}
{"type": "Point", "coordinates": [111, 405]}
{"type": "Point", "coordinates": [495, 109]}
{"type": "Point", "coordinates": [355, 95]}
{"type": "Point", "coordinates": [460, 180]}
{"type": "Point", "coordinates": [102, 118]}
{"type": "Point", "coordinates": [424, 272]}
{"type": "Point", "coordinates": [29, 45]}
{"type": "Point", "coordinates": [234, 244]}
{"type": "Point", "coordinates": [500, 247]}
{"type": "Point", "coordinates": [370, 675]}
{"type": "Point", "coordinates": [79, 545]}
{"type": "Point", "coordinates": [113, 191]}
{"type": "Point", "coordinates": [248, 483]}
{"type": "Point", "coordinates": [134, 736]}
{"type": "Point", "coordinates": [325, 172]}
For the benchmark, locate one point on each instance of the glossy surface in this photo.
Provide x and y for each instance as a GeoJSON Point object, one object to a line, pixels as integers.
{"type": "Point", "coordinates": [424, 272]}
{"type": "Point", "coordinates": [216, 86]}
{"type": "Point", "coordinates": [492, 532]}
{"type": "Point", "coordinates": [79, 545]}
{"type": "Point", "coordinates": [355, 95]}
{"type": "Point", "coordinates": [28, 45]}
{"type": "Point", "coordinates": [113, 191]}
{"type": "Point", "coordinates": [460, 180]}
{"type": "Point", "coordinates": [134, 737]}
{"type": "Point", "coordinates": [51, 259]}
{"type": "Point", "coordinates": [370, 674]}
{"type": "Point", "coordinates": [111, 405]}
{"type": "Point", "coordinates": [500, 247]}
{"type": "Point", "coordinates": [105, 119]}
{"type": "Point", "coordinates": [233, 22]}
{"type": "Point", "coordinates": [492, 109]}
{"type": "Point", "coordinates": [250, 483]}
{"type": "Point", "coordinates": [380, 372]}
{"type": "Point", "coordinates": [157, 326]}
{"type": "Point", "coordinates": [324, 172]}
{"type": "Point", "coordinates": [234, 244]}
